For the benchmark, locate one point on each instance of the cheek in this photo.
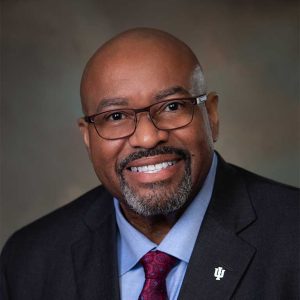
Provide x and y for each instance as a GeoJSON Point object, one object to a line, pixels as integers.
{"type": "Point", "coordinates": [199, 143]}
{"type": "Point", "coordinates": [197, 137]}
{"type": "Point", "coordinates": [104, 156]}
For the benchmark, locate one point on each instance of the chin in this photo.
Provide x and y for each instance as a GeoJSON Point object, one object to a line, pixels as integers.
{"type": "Point", "coordinates": [159, 198]}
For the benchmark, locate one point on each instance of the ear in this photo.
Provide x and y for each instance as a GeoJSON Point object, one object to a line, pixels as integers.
{"type": "Point", "coordinates": [84, 129]}
{"type": "Point", "coordinates": [213, 116]}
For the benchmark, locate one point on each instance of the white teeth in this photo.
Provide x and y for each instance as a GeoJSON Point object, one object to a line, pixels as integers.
{"type": "Point", "coordinates": [153, 168]}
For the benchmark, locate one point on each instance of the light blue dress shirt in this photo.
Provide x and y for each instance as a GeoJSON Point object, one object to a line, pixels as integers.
{"type": "Point", "coordinates": [179, 242]}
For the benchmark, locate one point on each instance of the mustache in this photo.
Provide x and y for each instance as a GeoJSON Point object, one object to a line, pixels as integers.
{"type": "Point", "coordinates": [183, 154]}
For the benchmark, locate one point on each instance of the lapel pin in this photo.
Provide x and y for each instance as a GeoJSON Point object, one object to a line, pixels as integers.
{"type": "Point", "coordinates": [219, 273]}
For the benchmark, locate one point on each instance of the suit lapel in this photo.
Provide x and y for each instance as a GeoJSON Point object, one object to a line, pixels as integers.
{"type": "Point", "coordinates": [218, 244]}
{"type": "Point", "coordinates": [95, 255]}
{"type": "Point", "coordinates": [215, 248]}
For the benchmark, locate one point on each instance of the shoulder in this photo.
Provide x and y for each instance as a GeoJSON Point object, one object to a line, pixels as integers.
{"type": "Point", "coordinates": [276, 207]}
{"type": "Point", "coordinates": [261, 190]}
{"type": "Point", "coordinates": [265, 190]}
{"type": "Point", "coordinates": [242, 193]}
{"type": "Point", "coordinates": [38, 258]}
{"type": "Point", "coordinates": [59, 228]}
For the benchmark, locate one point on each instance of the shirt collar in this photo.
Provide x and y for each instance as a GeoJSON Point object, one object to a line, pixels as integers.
{"type": "Point", "coordinates": [133, 245]}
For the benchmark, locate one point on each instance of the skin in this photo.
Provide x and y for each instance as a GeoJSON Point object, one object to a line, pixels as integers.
{"type": "Point", "coordinates": [141, 67]}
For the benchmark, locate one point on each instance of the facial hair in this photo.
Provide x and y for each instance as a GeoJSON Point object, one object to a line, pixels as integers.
{"type": "Point", "coordinates": [161, 198]}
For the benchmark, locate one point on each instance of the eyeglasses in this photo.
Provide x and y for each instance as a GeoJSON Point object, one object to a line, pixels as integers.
{"type": "Point", "coordinates": [165, 115]}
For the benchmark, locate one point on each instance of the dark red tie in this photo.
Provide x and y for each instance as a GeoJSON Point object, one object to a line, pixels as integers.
{"type": "Point", "coordinates": [156, 265]}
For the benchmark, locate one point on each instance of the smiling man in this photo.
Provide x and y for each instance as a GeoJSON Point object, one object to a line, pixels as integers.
{"type": "Point", "coordinates": [172, 220]}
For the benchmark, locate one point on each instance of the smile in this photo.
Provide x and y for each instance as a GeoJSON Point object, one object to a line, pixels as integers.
{"type": "Point", "coordinates": [152, 168]}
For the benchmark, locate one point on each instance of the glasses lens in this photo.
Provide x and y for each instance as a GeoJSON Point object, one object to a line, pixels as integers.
{"type": "Point", "coordinates": [115, 124]}
{"type": "Point", "coordinates": [172, 114]}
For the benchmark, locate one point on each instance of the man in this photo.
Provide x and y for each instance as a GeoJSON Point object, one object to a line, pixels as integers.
{"type": "Point", "coordinates": [172, 219]}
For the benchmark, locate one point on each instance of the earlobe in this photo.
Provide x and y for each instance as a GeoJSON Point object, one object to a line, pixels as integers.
{"type": "Point", "coordinates": [83, 126]}
{"type": "Point", "coordinates": [212, 111]}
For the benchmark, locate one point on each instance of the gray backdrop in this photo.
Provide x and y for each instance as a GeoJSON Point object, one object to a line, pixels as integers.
{"type": "Point", "coordinates": [249, 51]}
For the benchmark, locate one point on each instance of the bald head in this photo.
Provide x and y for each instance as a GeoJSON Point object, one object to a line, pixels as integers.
{"type": "Point", "coordinates": [140, 48]}
{"type": "Point", "coordinates": [142, 35]}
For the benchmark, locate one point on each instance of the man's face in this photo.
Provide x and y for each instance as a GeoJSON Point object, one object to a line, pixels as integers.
{"type": "Point", "coordinates": [181, 158]}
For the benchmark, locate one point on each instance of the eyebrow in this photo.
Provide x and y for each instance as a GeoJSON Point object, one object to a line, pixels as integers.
{"type": "Point", "coordinates": [111, 101]}
{"type": "Point", "coordinates": [106, 102]}
{"type": "Point", "coordinates": [171, 91]}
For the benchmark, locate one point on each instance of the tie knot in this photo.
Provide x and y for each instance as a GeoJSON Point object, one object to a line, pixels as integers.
{"type": "Point", "coordinates": [157, 264]}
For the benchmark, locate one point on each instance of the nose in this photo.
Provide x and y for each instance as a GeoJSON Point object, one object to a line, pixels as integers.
{"type": "Point", "coordinates": [146, 134]}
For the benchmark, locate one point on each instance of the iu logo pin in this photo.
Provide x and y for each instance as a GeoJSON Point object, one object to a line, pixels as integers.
{"type": "Point", "coordinates": [219, 273]}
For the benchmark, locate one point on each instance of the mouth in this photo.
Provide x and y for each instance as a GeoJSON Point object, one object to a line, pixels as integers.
{"type": "Point", "coordinates": [159, 168]}
{"type": "Point", "coordinates": [154, 165]}
{"type": "Point", "coordinates": [152, 168]}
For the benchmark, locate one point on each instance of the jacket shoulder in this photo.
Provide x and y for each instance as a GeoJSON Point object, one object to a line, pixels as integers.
{"type": "Point", "coordinates": [60, 227]}
{"type": "Point", "coordinates": [276, 205]}
{"type": "Point", "coordinates": [262, 187]}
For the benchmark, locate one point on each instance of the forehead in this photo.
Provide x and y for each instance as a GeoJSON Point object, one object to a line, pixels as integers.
{"type": "Point", "coordinates": [136, 71]}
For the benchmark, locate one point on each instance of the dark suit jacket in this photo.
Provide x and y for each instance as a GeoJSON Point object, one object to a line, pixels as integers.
{"type": "Point", "coordinates": [251, 229]}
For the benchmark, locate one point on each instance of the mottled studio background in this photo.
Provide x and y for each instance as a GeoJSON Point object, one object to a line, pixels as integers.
{"type": "Point", "coordinates": [249, 50]}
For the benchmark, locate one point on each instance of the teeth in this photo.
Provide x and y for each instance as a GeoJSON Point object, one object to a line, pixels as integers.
{"type": "Point", "coordinates": [153, 168]}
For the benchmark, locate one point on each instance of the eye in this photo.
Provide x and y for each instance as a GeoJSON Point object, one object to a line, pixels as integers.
{"type": "Point", "coordinates": [173, 106]}
{"type": "Point", "coordinates": [115, 116]}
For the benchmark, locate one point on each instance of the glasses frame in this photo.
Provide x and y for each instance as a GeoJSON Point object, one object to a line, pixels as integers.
{"type": "Point", "coordinates": [197, 100]}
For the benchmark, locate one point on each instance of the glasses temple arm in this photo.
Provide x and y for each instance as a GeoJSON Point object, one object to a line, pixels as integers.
{"type": "Point", "coordinates": [201, 99]}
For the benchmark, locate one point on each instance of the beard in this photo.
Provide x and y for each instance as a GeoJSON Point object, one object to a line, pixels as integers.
{"type": "Point", "coordinates": [162, 198]}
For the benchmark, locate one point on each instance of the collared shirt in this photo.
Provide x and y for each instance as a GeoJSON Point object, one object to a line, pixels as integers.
{"type": "Point", "coordinates": [179, 242]}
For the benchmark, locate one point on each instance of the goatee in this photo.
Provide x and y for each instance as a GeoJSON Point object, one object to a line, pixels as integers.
{"type": "Point", "coordinates": [162, 199]}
